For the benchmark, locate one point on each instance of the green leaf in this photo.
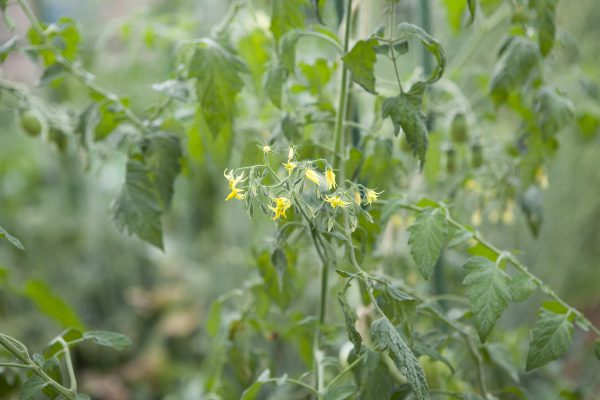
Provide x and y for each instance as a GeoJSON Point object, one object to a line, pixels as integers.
{"type": "Point", "coordinates": [386, 338]}
{"type": "Point", "coordinates": [71, 335]}
{"type": "Point", "coordinates": [350, 320]}
{"type": "Point", "coordinates": [340, 392]}
{"type": "Point", "coordinates": [274, 79]}
{"type": "Point", "coordinates": [488, 291]}
{"type": "Point", "coordinates": [137, 209]}
{"type": "Point", "coordinates": [361, 62]}
{"type": "Point", "coordinates": [7, 47]}
{"type": "Point", "coordinates": [553, 110]}
{"type": "Point", "coordinates": [217, 72]}
{"type": "Point", "coordinates": [108, 117]}
{"type": "Point", "coordinates": [597, 349]}
{"type": "Point", "coordinates": [13, 240]}
{"type": "Point", "coordinates": [162, 152]}
{"type": "Point", "coordinates": [287, 50]}
{"type": "Point", "coordinates": [501, 356]}
{"type": "Point", "coordinates": [51, 305]}
{"type": "Point", "coordinates": [113, 340]}
{"type": "Point", "coordinates": [519, 58]}
{"type": "Point", "coordinates": [521, 287]}
{"type": "Point", "coordinates": [32, 387]}
{"type": "Point", "coordinates": [405, 112]}
{"type": "Point", "coordinates": [213, 321]}
{"type": "Point", "coordinates": [82, 396]}
{"type": "Point", "coordinates": [286, 15]}
{"type": "Point", "coordinates": [551, 338]}
{"type": "Point", "coordinates": [546, 23]}
{"type": "Point", "coordinates": [427, 236]}
{"type": "Point", "coordinates": [407, 31]}
{"type": "Point", "coordinates": [472, 10]}
{"type": "Point", "coordinates": [372, 377]}
{"type": "Point", "coordinates": [252, 391]}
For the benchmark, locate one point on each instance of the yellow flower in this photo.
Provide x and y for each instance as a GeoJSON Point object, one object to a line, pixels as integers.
{"type": "Point", "coordinates": [357, 198]}
{"type": "Point", "coordinates": [281, 206]}
{"type": "Point", "coordinates": [289, 166]}
{"type": "Point", "coordinates": [266, 149]}
{"type": "Point", "coordinates": [236, 194]}
{"type": "Point", "coordinates": [330, 179]}
{"type": "Point", "coordinates": [313, 176]}
{"type": "Point", "coordinates": [290, 153]}
{"type": "Point", "coordinates": [233, 180]}
{"type": "Point", "coordinates": [336, 201]}
{"type": "Point", "coordinates": [372, 196]}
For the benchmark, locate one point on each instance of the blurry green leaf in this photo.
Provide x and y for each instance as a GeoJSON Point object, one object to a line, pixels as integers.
{"type": "Point", "coordinates": [532, 205]}
{"type": "Point", "coordinates": [350, 320]}
{"type": "Point", "coordinates": [213, 321]}
{"type": "Point", "coordinates": [373, 378]}
{"type": "Point", "coordinates": [273, 83]}
{"type": "Point", "coordinates": [488, 291]}
{"type": "Point", "coordinates": [422, 348]}
{"type": "Point", "coordinates": [455, 11]}
{"type": "Point", "coordinates": [550, 338]}
{"type": "Point", "coordinates": [137, 209]}
{"type": "Point", "coordinates": [428, 235]}
{"type": "Point", "coordinates": [7, 47]}
{"type": "Point", "coordinates": [254, 48]}
{"type": "Point", "coordinates": [386, 338]}
{"type": "Point", "coordinates": [521, 286]}
{"type": "Point", "coordinates": [32, 387]}
{"type": "Point", "coordinates": [71, 335]}
{"type": "Point", "coordinates": [290, 130]}
{"type": "Point", "coordinates": [162, 152]}
{"type": "Point", "coordinates": [597, 349]}
{"type": "Point", "coordinates": [287, 50]}
{"type": "Point", "coordinates": [340, 392]}
{"type": "Point", "coordinates": [517, 61]}
{"type": "Point", "coordinates": [406, 30]}
{"type": "Point", "coordinates": [51, 305]}
{"type": "Point", "coordinates": [361, 62]}
{"type": "Point", "coordinates": [113, 340]}
{"type": "Point", "coordinates": [553, 110]}
{"type": "Point", "coordinates": [173, 88]}
{"type": "Point", "coordinates": [217, 72]}
{"type": "Point", "coordinates": [286, 15]}
{"type": "Point", "coordinates": [500, 356]}
{"type": "Point", "coordinates": [82, 396]}
{"type": "Point", "coordinates": [66, 37]}
{"type": "Point", "coordinates": [252, 391]}
{"type": "Point", "coordinates": [472, 10]}
{"type": "Point", "coordinates": [109, 116]}
{"type": "Point", "coordinates": [13, 240]}
{"type": "Point", "coordinates": [405, 112]}
{"type": "Point", "coordinates": [546, 23]}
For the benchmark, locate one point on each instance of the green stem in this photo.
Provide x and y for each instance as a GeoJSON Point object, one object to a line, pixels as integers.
{"type": "Point", "coordinates": [324, 38]}
{"type": "Point", "coordinates": [392, 9]}
{"type": "Point", "coordinates": [338, 147]}
{"type": "Point", "coordinates": [296, 382]}
{"type": "Point", "coordinates": [346, 370]}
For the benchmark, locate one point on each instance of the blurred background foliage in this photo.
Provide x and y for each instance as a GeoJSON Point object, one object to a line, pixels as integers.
{"type": "Point", "coordinates": [55, 199]}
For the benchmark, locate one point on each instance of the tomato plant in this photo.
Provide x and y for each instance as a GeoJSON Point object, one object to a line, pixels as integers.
{"type": "Point", "coordinates": [365, 143]}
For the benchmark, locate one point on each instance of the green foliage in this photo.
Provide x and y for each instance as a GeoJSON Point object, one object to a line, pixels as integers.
{"type": "Point", "coordinates": [51, 305]}
{"type": "Point", "coordinates": [432, 45]}
{"type": "Point", "coordinates": [11, 239]}
{"type": "Point", "coordinates": [546, 23]}
{"type": "Point", "coordinates": [361, 62]}
{"type": "Point", "coordinates": [286, 15]}
{"type": "Point", "coordinates": [489, 292]}
{"type": "Point", "coordinates": [428, 235]}
{"type": "Point", "coordinates": [386, 338]}
{"type": "Point", "coordinates": [551, 337]}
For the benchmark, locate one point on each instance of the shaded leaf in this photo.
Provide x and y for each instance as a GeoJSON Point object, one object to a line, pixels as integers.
{"type": "Point", "coordinates": [546, 23]}
{"type": "Point", "coordinates": [51, 305]}
{"type": "Point", "coordinates": [521, 286]}
{"type": "Point", "coordinates": [372, 378]}
{"type": "Point", "coordinates": [488, 291]}
{"type": "Point", "coordinates": [406, 30]}
{"type": "Point", "coordinates": [13, 240]}
{"type": "Point", "coordinates": [553, 110]}
{"type": "Point", "coordinates": [361, 62]}
{"type": "Point", "coordinates": [350, 320]}
{"type": "Point", "coordinates": [500, 356]}
{"type": "Point", "coordinates": [550, 338]}
{"type": "Point", "coordinates": [427, 236]}
{"type": "Point", "coordinates": [113, 340]}
{"type": "Point", "coordinates": [386, 338]}
{"type": "Point", "coordinates": [274, 79]}
{"type": "Point", "coordinates": [286, 15]}
{"type": "Point", "coordinates": [32, 387]}
{"type": "Point", "coordinates": [252, 391]}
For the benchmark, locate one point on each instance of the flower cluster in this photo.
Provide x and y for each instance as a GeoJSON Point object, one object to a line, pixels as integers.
{"type": "Point", "coordinates": [277, 193]}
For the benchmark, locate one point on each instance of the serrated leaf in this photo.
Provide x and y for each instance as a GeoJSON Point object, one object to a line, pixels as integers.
{"type": "Point", "coordinates": [407, 31]}
{"type": "Point", "coordinates": [521, 286]}
{"type": "Point", "coordinates": [13, 240]}
{"type": "Point", "coordinates": [550, 338]}
{"type": "Point", "coordinates": [405, 112]}
{"type": "Point", "coordinates": [32, 387]}
{"type": "Point", "coordinates": [113, 340]}
{"type": "Point", "coordinates": [427, 236]}
{"type": "Point", "coordinates": [546, 23]}
{"type": "Point", "coordinates": [162, 152]}
{"type": "Point", "coordinates": [51, 305]}
{"type": "Point", "coordinates": [137, 209]}
{"type": "Point", "coordinates": [361, 63]}
{"type": "Point", "coordinates": [340, 392]}
{"type": "Point", "coordinates": [350, 320]}
{"type": "Point", "coordinates": [488, 291]}
{"type": "Point", "coordinates": [386, 338]}
{"type": "Point", "coordinates": [553, 110]}
{"type": "Point", "coordinates": [273, 83]}
{"type": "Point", "coordinates": [518, 59]}
{"type": "Point", "coordinates": [286, 15]}
{"type": "Point", "coordinates": [217, 71]}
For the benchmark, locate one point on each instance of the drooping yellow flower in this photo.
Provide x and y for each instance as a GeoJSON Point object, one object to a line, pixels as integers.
{"type": "Point", "coordinates": [313, 176]}
{"type": "Point", "coordinates": [330, 179]}
{"type": "Point", "coordinates": [290, 153]}
{"type": "Point", "coordinates": [281, 206]}
{"type": "Point", "coordinates": [233, 180]}
{"type": "Point", "coordinates": [236, 194]}
{"type": "Point", "coordinates": [336, 201]}
{"type": "Point", "coordinates": [289, 166]}
{"type": "Point", "coordinates": [357, 198]}
{"type": "Point", "coordinates": [372, 196]}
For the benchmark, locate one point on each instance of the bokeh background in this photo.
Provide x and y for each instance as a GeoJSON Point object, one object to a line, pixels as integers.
{"type": "Point", "coordinates": [57, 203]}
